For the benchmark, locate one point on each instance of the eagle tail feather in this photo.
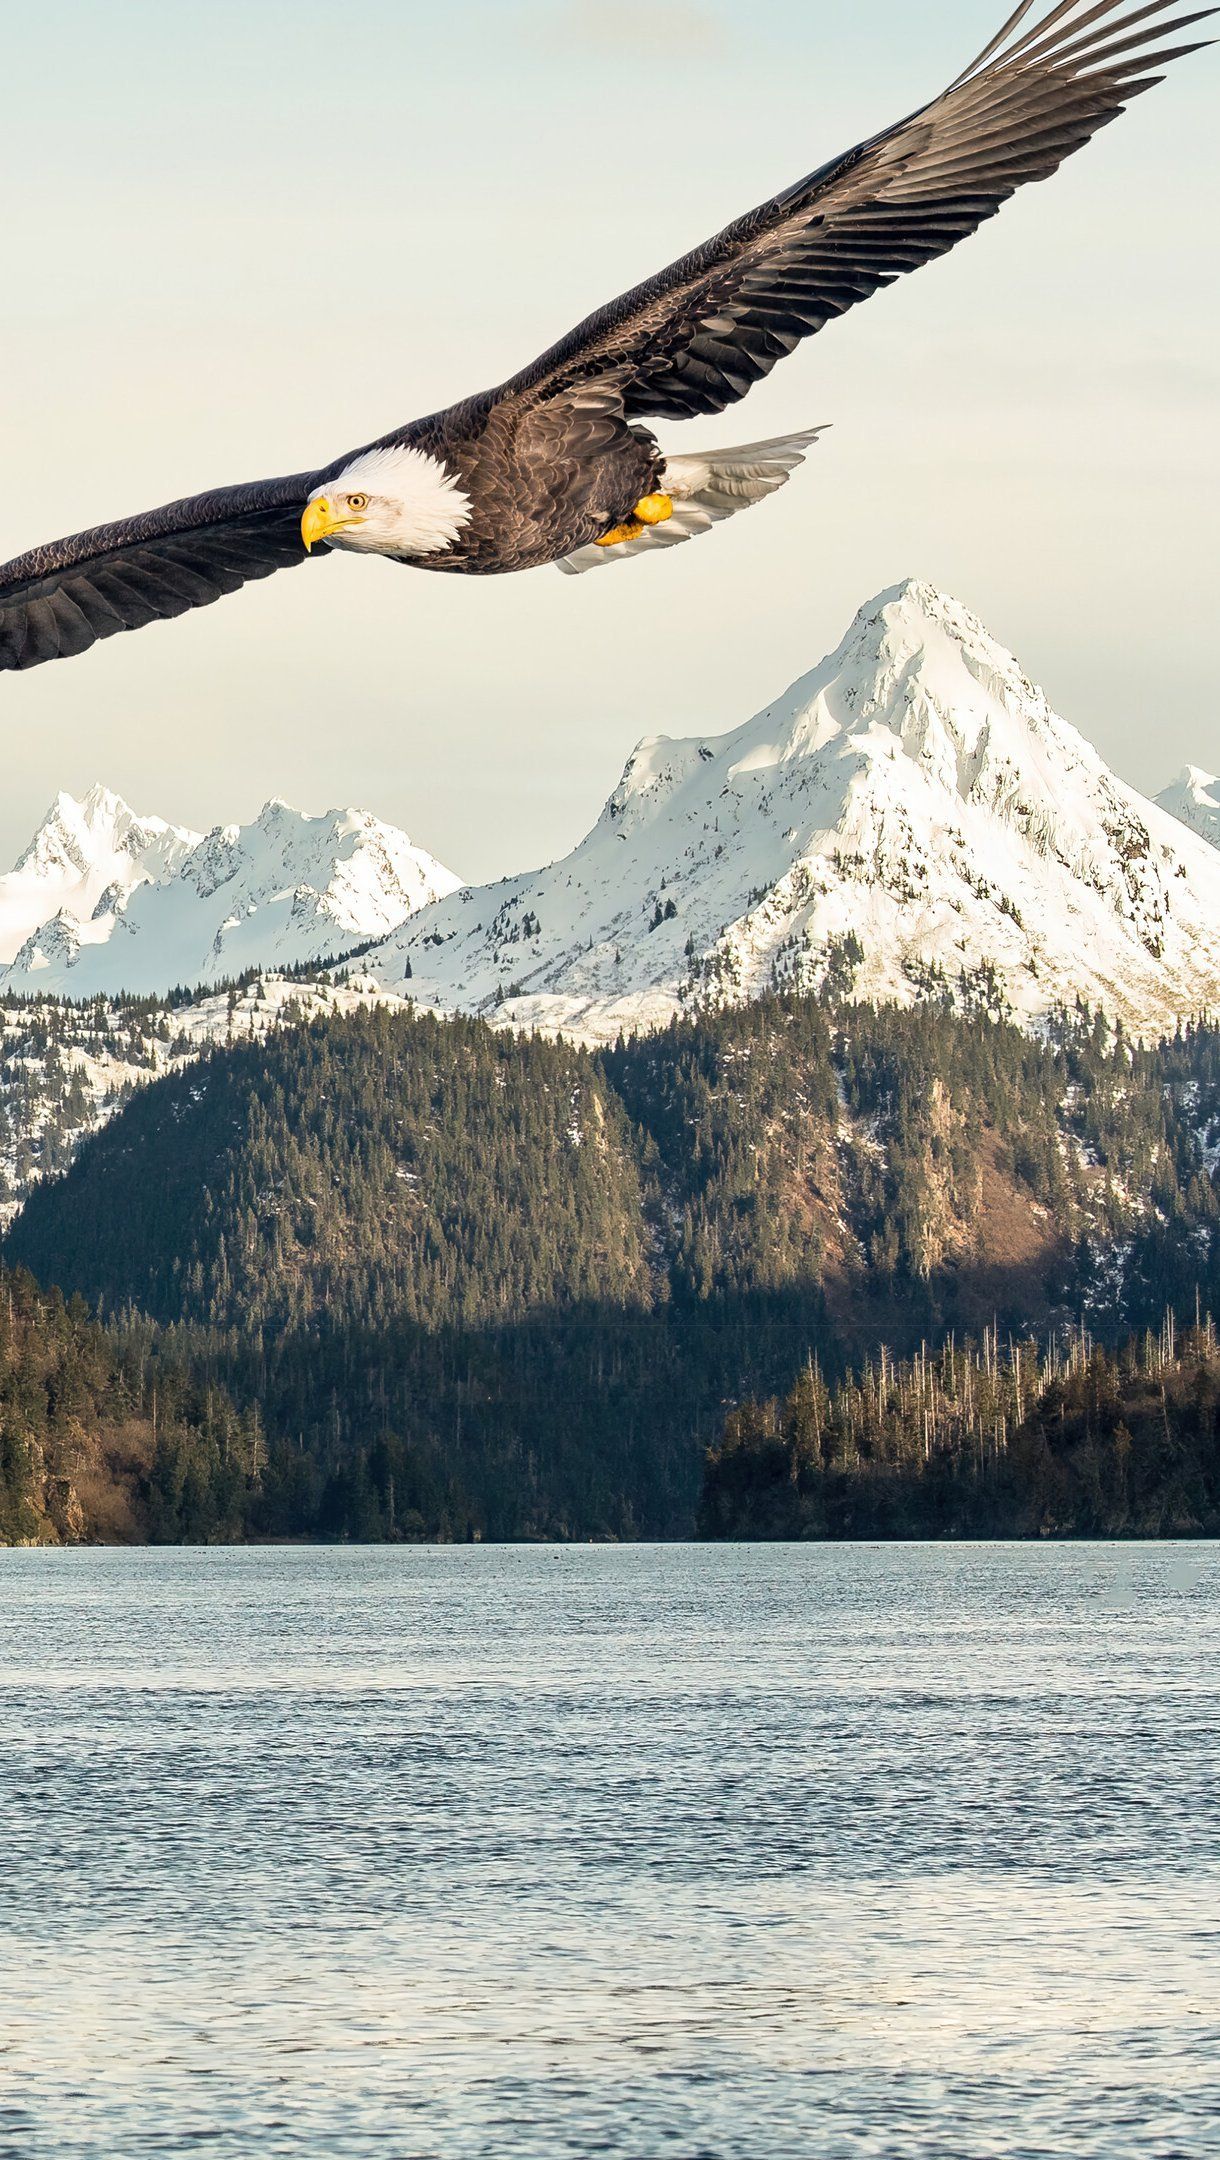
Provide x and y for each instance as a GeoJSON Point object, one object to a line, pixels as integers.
{"type": "Point", "coordinates": [704, 490]}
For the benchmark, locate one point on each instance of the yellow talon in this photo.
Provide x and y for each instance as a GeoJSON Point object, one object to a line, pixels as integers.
{"type": "Point", "coordinates": [621, 532]}
{"type": "Point", "coordinates": [650, 510]}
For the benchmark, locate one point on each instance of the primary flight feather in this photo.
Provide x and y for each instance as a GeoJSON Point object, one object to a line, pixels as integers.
{"type": "Point", "coordinates": [560, 464]}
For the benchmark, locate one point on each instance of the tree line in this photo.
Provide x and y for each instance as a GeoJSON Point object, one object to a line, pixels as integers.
{"type": "Point", "coordinates": [987, 1439]}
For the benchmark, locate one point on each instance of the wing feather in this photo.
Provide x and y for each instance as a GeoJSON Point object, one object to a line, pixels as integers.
{"type": "Point", "coordinates": [698, 336]}
{"type": "Point", "coordinates": [61, 598]}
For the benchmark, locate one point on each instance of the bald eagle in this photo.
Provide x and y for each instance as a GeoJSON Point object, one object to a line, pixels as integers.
{"type": "Point", "coordinates": [560, 464]}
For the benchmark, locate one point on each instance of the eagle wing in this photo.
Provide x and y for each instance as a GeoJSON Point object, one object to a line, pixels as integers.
{"type": "Point", "coordinates": [700, 334]}
{"type": "Point", "coordinates": [60, 598]}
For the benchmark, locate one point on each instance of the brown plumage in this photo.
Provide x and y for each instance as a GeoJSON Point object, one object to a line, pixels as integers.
{"type": "Point", "coordinates": [549, 462]}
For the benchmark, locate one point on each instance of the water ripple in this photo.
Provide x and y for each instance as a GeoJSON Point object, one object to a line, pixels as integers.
{"type": "Point", "coordinates": [738, 1853]}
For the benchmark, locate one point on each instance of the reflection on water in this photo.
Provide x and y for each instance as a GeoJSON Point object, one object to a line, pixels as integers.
{"type": "Point", "coordinates": [741, 1853]}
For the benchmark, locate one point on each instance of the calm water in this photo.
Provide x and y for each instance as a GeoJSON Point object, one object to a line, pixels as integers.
{"type": "Point", "coordinates": [733, 1852]}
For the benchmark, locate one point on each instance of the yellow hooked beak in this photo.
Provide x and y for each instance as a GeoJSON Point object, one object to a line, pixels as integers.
{"type": "Point", "coordinates": [321, 519]}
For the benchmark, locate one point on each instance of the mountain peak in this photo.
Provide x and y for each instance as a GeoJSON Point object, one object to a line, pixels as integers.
{"type": "Point", "coordinates": [193, 908]}
{"type": "Point", "coordinates": [60, 832]}
{"type": "Point", "coordinates": [915, 606]}
{"type": "Point", "coordinates": [912, 818]}
{"type": "Point", "coordinates": [101, 803]}
{"type": "Point", "coordinates": [915, 597]}
{"type": "Point", "coordinates": [1194, 799]}
{"type": "Point", "coordinates": [911, 619]}
{"type": "Point", "coordinates": [83, 850]}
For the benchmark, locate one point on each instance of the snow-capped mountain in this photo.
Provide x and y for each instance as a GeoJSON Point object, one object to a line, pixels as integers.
{"type": "Point", "coordinates": [85, 860]}
{"type": "Point", "coordinates": [910, 818]}
{"type": "Point", "coordinates": [103, 901]}
{"type": "Point", "coordinates": [1195, 798]}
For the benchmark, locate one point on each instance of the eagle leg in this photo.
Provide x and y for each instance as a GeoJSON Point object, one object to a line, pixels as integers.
{"type": "Point", "coordinates": [650, 510]}
{"type": "Point", "coordinates": [630, 531]}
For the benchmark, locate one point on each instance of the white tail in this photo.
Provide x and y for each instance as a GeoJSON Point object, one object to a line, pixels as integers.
{"type": "Point", "coordinates": [704, 490]}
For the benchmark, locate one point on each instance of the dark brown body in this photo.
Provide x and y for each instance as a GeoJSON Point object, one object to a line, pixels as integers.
{"type": "Point", "coordinates": [541, 482]}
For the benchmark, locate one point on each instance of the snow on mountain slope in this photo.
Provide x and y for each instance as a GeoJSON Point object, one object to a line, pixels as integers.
{"type": "Point", "coordinates": [911, 818]}
{"type": "Point", "coordinates": [85, 857]}
{"type": "Point", "coordinates": [104, 902]}
{"type": "Point", "coordinates": [1195, 799]}
{"type": "Point", "coordinates": [65, 1070]}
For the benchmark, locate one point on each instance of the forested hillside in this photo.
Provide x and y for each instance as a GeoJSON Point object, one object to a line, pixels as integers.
{"type": "Point", "coordinates": [97, 1440]}
{"type": "Point", "coordinates": [477, 1284]}
{"type": "Point", "coordinates": [65, 1068]}
{"type": "Point", "coordinates": [62, 1071]}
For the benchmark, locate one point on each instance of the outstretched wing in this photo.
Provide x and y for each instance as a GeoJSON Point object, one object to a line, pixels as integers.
{"type": "Point", "coordinates": [59, 599]}
{"type": "Point", "coordinates": [698, 336]}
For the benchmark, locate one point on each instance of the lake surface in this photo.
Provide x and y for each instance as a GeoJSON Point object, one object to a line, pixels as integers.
{"type": "Point", "coordinates": [770, 1851]}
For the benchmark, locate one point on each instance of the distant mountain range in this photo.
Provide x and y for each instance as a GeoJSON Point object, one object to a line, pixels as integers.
{"type": "Point", "coordinates": [1195, 799]}
{"type": "Point", "coordinates": [910, 819]}
{"type": "Point", "coordinates": [104, 902]}
{"type": "Point", "coordinates": [426, 1276]}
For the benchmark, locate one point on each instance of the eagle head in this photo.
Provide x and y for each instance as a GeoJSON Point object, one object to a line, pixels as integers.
{"type": "Point", "coordinates": [393, 500]}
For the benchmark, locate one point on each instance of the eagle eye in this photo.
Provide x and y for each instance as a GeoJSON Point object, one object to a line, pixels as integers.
{"type": "Point", "coordinates": [357, 502]}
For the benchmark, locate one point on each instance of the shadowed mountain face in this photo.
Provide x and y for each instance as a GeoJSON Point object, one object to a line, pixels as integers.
{"type": "Point", "coordinates": [1194, 799]}
{"type": "Point", "coordinates": [546, 1271]}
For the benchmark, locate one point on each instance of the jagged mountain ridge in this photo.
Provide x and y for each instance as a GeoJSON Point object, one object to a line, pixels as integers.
{"type": "Point", "coordinates": [1194, 798]}
{"type": "Point", "coordinates": [84, 861]}
{"type": "Point", "coordinates": [910, 818]}
{"type": "Point", "coordinates": [105, 902]}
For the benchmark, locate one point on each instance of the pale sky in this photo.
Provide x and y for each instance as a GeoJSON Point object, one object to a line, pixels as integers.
{"type": "Point", "coordinates": [242, 238]}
